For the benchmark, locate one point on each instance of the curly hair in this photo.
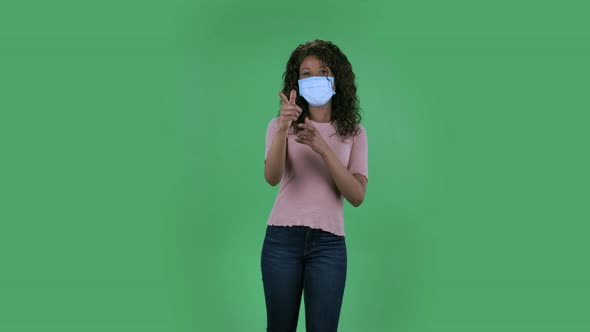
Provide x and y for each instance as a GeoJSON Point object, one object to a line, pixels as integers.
{"type": "Point", "coordinates": [345, 103]}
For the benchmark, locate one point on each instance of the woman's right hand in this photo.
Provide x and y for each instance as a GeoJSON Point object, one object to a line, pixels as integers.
{"type": "Point", "coordinates": [289, 110]}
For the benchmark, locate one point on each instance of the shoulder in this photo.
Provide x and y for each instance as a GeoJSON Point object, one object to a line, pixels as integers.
{"type": "Point", "coordinates": [361, 128]}
{"type": "Point", "coordinates": [273, 120]}
{"type": "Point", "coordinates": [273, 123]}
{"type": "Point", "coordinates": [362, 132]}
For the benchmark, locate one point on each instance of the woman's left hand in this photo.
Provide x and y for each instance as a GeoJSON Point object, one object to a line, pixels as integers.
{"type": "Point", "coordinates": [310, 136]}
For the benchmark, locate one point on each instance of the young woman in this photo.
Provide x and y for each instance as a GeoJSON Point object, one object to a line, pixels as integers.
{"type": "Point", "coordinates": [317, 150]}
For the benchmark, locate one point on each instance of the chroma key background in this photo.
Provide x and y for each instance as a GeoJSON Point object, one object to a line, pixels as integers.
{"type": "Point", "coordinates": [132, 195]}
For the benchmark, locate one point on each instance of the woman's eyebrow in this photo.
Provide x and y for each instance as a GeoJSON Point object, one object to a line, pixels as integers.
{"type": "Point", "coordinates": [302, 69]}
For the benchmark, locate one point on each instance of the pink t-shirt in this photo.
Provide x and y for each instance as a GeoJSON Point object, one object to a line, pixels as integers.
{"type": "Point", "coordinates": [308, 195]}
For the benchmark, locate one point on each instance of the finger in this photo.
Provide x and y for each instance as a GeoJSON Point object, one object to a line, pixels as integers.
{"type": "Point", "coordinates": [290, 112]}
{"type": "Point", "coordinates": [310, 125]}
{"type": "Point", "coordinates": [302, 141]}
{"type": "Point", "coordinates": [305, 134]}
{"type": "Point", "coordinates": [290, 116]}
{"type": "Point", "coordinates": [293, 96]}
{"type": "Point", "coordinates": [294, 109]}
{"type": "Point", "coordinates": [283, 97]}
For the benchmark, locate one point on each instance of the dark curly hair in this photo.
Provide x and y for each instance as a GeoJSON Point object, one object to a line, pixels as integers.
{"type": "Point", "coordinates": [345, 103]}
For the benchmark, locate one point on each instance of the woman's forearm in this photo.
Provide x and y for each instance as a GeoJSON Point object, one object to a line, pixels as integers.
{"type": "Point", "coordinates": [348, 184]}
{"type": "Point", "coordinates": [274, 165]}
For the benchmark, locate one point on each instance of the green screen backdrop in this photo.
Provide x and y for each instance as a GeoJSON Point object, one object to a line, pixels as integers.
{"type": "Point", "coordinates": [132, 195]}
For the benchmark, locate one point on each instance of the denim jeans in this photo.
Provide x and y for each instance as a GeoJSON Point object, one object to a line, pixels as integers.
{"type": "Point", "coordinates": [300, 259]}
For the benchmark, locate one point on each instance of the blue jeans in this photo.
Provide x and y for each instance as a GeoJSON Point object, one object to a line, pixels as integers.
{"type": "Point", "coordinates": [298, 259]}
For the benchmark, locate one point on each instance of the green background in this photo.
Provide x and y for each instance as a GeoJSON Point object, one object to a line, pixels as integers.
{"type": "Point", "coordinates": [132, 144]}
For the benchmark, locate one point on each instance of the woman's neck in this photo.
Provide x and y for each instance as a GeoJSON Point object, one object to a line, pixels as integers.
{"type": "Point", "coordinates": [321, 113]}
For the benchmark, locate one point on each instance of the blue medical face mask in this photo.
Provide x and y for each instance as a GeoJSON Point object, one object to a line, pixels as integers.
{"type": "Point", "coordinates": [317, 90]}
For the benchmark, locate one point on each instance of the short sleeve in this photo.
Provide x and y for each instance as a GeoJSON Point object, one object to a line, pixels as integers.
{"type": "Point", "coordinates": [271, 130]}
{"type": "Point", "coordinates": [358, 162]}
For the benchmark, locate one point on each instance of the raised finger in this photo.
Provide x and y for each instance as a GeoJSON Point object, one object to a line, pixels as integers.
{"type": "Point", "coordinates": [283, 97]}
{"type": "Point", "coordinates": [309, 124]}
{"type": "Point", "coordinates": [293, 96]}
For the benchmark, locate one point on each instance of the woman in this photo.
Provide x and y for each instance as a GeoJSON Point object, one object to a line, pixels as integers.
{"type": "Point", "coordinates": [317, 149]}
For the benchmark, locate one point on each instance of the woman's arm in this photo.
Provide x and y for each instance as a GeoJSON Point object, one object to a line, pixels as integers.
{"type": "Point", "coordinates": [351, 180]}
{"type": "Point", "coordinates": [352, 186]}
{"type": "Point", "coordinates": [277, 130]}
{"type": "Point", "coordinates": [274, 164]}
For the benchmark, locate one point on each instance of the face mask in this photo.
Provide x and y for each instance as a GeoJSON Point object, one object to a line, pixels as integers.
{"type": "Point", "coordinates": [317, 90]}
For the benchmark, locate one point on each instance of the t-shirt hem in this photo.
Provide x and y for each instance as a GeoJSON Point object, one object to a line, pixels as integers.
{"type": "Point", "coordinates": [336, 232]}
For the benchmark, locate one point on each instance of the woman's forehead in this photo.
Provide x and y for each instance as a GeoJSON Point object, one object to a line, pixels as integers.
{"type": "Point", "coordinates": [311, 61]}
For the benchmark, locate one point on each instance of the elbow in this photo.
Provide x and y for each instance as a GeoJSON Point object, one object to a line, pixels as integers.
{"type": "Point", "coordinates": [270, 180]}
{"type": "Point", "coordinates": [267, 177]}
{"type": "Point", "coordinates": [356, 202]}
